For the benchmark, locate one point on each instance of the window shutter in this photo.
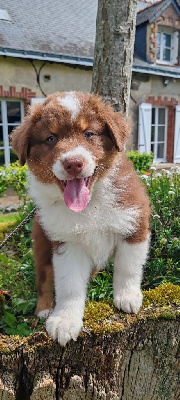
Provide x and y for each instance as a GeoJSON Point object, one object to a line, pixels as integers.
{"type": "Point", "coordinates": [177, 136]}
{"type": "Point", "coordinates": [144, 128]}
{"type": "Point", "coordinates": [175, 46]}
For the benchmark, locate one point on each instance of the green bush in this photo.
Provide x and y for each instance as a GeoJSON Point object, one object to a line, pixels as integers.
{"type": "Point", "coordinates": [142, 162]}
{"type": "Point", "coordinates": [15, 177]}
{"type": "Point", "coordinates": [164, 192]}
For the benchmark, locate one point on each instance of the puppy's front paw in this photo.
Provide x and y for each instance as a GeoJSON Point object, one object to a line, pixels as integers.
{"type": "Point", "coordinates": [128, 301]}
{"type": "Point", "coordinates": [64, 325]}
{"type": "Point", "coordinates": [43, 313]}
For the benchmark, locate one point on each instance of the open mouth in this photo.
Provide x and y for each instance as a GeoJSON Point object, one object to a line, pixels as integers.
{"type": "Point", "coordinates": [76, 192]}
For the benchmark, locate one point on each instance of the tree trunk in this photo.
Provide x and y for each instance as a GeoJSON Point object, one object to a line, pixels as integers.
{"type": "Point", "coordinates": [114, 48]}
{"type": "Point", "coordinates": [137, 363]}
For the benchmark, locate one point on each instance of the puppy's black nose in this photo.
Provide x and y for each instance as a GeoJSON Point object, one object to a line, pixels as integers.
{"type": "Point", "coordinates": [73, 166]}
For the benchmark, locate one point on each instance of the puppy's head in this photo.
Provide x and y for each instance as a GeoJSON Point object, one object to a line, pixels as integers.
{"type": "Point", "coordinates": [72, 140]}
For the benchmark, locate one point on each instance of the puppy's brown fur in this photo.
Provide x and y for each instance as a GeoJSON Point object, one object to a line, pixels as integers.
{"type": "Point", "coordinates": [88, 135]}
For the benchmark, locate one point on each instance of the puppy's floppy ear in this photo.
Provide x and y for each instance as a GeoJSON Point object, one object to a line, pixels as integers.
{"type": "Point", "coordinates": [20, 136]}
{"type": "Point", "coordinates": [115, 122]}
{"type": "Point", "coordinates": [118, 128]}
{"type": "Point", "coordinates": [20, 140]}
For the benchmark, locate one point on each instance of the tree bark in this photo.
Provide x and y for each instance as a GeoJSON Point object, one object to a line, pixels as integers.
{"type": "Point", "coordinates": [138, 363]}
{"type": "Point", "coordinates": [114, 48]}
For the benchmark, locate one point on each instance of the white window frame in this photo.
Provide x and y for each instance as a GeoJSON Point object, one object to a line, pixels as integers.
{"type": "Point", "coordinates": [6, 145]}
{"type": "Point", "coordinates": [174, 45]}
{"type": "Point", "coordinates": [155, 141]}
{"type": "Point", "coordinates": [176, 158]}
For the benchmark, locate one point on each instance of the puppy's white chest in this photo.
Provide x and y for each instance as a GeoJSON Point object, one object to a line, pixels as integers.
{"type": "Point", "coordinates": [98, 246]}
{"type": "Point", "coordinates": [95, 237]}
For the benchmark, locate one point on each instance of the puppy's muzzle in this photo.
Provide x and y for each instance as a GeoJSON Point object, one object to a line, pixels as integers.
{"type": "Point", "coordinates": [73, 166]}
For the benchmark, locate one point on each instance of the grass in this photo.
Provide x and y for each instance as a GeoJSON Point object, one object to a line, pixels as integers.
{"type": "Point", "coordinates": [8, 223]}
{"type": "Point", "coordinates": [9, 218]}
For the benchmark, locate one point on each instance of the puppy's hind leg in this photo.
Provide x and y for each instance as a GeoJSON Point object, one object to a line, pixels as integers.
{"type": "Point", "coordinates": [43, 269]}
{"type": "Point", "coordinates": [128, 264]}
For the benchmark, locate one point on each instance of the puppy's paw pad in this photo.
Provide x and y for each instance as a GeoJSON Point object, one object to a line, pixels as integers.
{"type": "Point", "coordinates": [129, 302]}
{"type": "Point", "coordinates": [64, 326]}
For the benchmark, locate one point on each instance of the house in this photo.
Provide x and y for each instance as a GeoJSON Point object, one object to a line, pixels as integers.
{"type": "Point", "coordinates": [44, 47]}
{"type": "Point", "coordinates": [155, 91]}
{"type": "Point", "coordinates": [48, 46]}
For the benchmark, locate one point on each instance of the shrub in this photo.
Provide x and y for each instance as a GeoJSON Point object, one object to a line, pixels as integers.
{"type": "Point", "coordinates": [142, 162]}
{"type": "Point", "coordinates": [15, 177]}
{"type": "Point", "coordinates": [164, 255]}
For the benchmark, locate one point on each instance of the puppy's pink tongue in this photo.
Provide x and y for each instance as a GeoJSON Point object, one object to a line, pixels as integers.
{"type": "Point", "coordinates": [76, 194]}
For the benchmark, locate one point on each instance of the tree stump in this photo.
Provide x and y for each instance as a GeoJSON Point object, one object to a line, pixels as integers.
{"type": "Point", "coordinates": [121, 357]}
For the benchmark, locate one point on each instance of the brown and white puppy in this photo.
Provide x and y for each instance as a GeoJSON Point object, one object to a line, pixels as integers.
{"type": "Point", "coordinates": [91, 206]}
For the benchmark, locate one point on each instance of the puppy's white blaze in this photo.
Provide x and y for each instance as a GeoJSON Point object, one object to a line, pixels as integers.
{"type": "Point", "coordinates": [71, 103]}
{"type": "Point", "coordinates": [80, 151]}
{"type": "Point", "coordinates": [59, 171]}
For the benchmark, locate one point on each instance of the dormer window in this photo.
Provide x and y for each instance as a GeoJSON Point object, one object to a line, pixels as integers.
{"type": "Point", "coordinates": [167, 46]}
{"type": "Point", "coordinates": [4, 15]}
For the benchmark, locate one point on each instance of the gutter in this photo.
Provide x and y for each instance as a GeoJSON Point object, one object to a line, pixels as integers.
{"type": "Point", "coordinates": [157, 71]}
{"type": "Point", "coordinates": [83, 61]}
{"type": "Point", "coordinates": [88, 62]}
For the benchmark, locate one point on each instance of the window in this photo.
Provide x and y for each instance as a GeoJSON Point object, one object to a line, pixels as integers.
{"type": "Point", "coordinates": [4, 16]}
{"type": "Point", "coordinates": [158, 133]}
{"type": "Point", "coordinates": [167, 46]}
{"type": "Point", "coordinates": [11, 115]}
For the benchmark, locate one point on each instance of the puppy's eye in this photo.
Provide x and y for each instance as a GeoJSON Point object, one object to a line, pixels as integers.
{"type": "Point", "coordinates": [88, 135]}
{"type": "Point", "coordinates": [51, 139]}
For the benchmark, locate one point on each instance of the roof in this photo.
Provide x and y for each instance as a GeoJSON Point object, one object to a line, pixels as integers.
{"type": "Point", "coordinates": [150, 13]}
{"type": "Point", "coordinates": [141, 4]}
{"type": "Point", "coordinates": [146, 67]}
{"type": "Point", "coordinates": [58, 27]}
{"type": "Point", "coordinates": [64, 31]}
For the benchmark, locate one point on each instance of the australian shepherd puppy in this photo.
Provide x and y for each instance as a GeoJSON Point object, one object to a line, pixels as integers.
{"type": "Point", "coordinates": [91, 206]}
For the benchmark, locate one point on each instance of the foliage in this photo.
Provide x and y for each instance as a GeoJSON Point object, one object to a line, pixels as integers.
{"type": "Point", "coordinates": [13, 321]}
{"type": "Point", "coordinates": [8, 223]}
{"type": "Point", "coordinates": [15, 177]}
{"type": "Point", "coordinates": [17, 278]}
{"type": "Point", "coordinates": [101, 287]}
{"type": "Point", "coordinates": [164, 255]}
{"type": "Point", "coordinates": [141, 161]}
{"type": "Point", "coordinates": [2, 302]}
